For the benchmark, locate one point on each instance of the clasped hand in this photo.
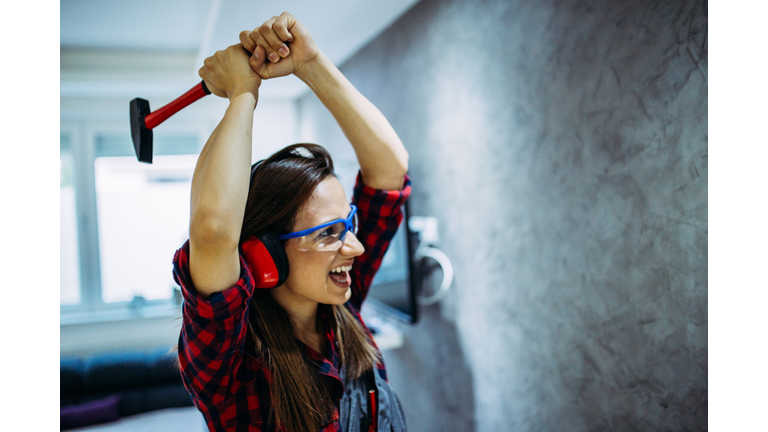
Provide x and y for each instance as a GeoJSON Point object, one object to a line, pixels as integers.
{"type": "Point", "coordinates": [279, 47]}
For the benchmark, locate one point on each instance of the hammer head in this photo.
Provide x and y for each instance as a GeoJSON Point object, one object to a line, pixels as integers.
{"type": "Point", "coordinates": [142, 137]}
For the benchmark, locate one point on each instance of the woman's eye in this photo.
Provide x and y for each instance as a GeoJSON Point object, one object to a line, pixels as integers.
{"type": "Point", "coordinates": [326, 232]}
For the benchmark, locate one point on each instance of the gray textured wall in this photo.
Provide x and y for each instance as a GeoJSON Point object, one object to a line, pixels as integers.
{"type": "Point", "coordinates": [563, 147]}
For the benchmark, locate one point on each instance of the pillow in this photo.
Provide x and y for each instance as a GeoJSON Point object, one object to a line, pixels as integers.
{"type": "Point", "coordinates": [90, 413]}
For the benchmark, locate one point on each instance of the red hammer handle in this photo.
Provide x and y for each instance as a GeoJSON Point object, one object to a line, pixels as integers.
{"type": "Point", "coordinates": [156, 117]}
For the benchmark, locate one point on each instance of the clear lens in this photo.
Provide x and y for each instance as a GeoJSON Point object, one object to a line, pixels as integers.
{"type": "Point", "coordinates": [324, 239]}
{"type": "Point", "coordinates": [330, 238]}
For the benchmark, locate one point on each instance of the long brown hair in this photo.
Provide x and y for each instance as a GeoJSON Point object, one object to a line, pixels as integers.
{"type": "Point", "coordinates": [300, 397]}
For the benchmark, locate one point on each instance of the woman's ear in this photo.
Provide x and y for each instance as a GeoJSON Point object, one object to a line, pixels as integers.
{"type": "Point", "coordinates": [266, 257]}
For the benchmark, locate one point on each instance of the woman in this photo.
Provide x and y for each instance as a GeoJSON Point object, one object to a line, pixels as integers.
{"type": "Point", "coordinates": [296, 356]}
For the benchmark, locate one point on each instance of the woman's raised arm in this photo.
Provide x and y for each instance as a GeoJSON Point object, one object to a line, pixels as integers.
{"type": "Point", "coordinates": [221, 179]}
{"type": "Point", "coordinates": [382, 156]}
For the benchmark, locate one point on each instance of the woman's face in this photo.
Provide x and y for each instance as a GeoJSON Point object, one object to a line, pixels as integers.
{"type": "Point", "coordinates": [310, 277]}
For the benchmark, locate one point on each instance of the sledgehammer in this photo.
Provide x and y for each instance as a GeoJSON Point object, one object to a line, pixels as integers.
{"type": "Point", "coordinates": [143, 121]}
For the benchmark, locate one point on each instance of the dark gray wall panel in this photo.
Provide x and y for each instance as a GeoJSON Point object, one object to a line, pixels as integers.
{"type": "Point", "coordinates": [563, 147]}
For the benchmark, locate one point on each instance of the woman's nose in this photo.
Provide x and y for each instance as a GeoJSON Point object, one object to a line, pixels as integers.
{"type": "Point", "coordinates": [352, 246]}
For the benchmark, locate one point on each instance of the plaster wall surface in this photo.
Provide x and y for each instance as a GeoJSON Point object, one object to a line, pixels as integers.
{"type": "Point", "coordinates": [563, 147]}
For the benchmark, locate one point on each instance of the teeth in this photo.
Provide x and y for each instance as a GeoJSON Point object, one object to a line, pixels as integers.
{"type": "Point", "coordinates": [341, 269]}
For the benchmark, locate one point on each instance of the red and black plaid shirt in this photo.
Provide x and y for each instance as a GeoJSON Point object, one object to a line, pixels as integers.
{"type": "Point", "coordinates": [228, 387]}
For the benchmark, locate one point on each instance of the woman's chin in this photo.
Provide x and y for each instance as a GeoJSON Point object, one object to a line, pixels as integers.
{"type": "Point", "coordinates": [339, 295]}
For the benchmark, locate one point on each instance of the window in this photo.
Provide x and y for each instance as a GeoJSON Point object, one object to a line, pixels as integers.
{"type": "Point", "coordinates": [135, 216]}
{"type": "Point", "coordinates": [142, 213]}
{"type": "Point", "coordinates": [69, 278]}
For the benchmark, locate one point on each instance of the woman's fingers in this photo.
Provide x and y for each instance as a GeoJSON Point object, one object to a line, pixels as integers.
{"type": "Point", "coordinates": [257, 53]}
{"type": "Point", "coordinates": [257, 61]}
{"type": "Point", "coordinates": [279, 47]}
{"type": "Point", "coordinates": [274, 36]}
{"type": "Point", "coordinates": [259, 40]}
{"type": "Point", "coordinates": [204, 74]}
{"type": "Point", "coordinates": [281, 26]}
{"type": "Point", "coordinates": [275, 47]}
{"type": "Point", "coordinates": [229, 72]}
{"type": "Point", "coordinates": [245, 39]}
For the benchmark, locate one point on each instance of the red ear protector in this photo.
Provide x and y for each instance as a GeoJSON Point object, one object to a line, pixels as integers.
{"type": "Point", "coordinates": [265, 255]}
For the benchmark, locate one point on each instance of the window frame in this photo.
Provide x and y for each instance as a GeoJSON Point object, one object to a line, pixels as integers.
{"type": "Point", "coordinates": [92, 308]}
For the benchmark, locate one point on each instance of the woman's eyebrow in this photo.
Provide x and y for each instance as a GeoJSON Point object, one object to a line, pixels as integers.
{"type": "Point", "coordinates": [336, 218]}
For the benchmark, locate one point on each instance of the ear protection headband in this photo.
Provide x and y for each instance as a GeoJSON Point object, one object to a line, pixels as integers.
{"type": "Point", "coordinates": [265, 255]}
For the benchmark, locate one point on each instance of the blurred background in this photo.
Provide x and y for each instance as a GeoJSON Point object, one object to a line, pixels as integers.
{"type": "Point", "coordinates": [562, 145]}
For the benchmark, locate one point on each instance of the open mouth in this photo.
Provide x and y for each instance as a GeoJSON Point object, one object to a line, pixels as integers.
{"type": "Point", "coordinates": [340, 276]}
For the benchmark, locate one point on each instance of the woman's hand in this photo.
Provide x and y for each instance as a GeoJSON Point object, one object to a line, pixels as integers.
{"type": "Point", "coordinates": [229, 72]}
{"type": "Point", "coordinates": [286, 44]}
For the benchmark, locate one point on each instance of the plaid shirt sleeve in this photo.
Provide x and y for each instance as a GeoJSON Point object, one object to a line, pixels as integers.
{"type": "Point", "coordinates": [379, 213]}
{"type": "Point", "coordinates": [213, 333]}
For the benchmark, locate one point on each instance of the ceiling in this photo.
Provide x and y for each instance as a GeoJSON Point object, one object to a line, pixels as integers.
{"type": "Point", "coordinates": [155, 47]}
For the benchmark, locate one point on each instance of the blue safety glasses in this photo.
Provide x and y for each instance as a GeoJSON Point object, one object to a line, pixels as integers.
{"type": "Point", "coordinates": [326, 237]}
